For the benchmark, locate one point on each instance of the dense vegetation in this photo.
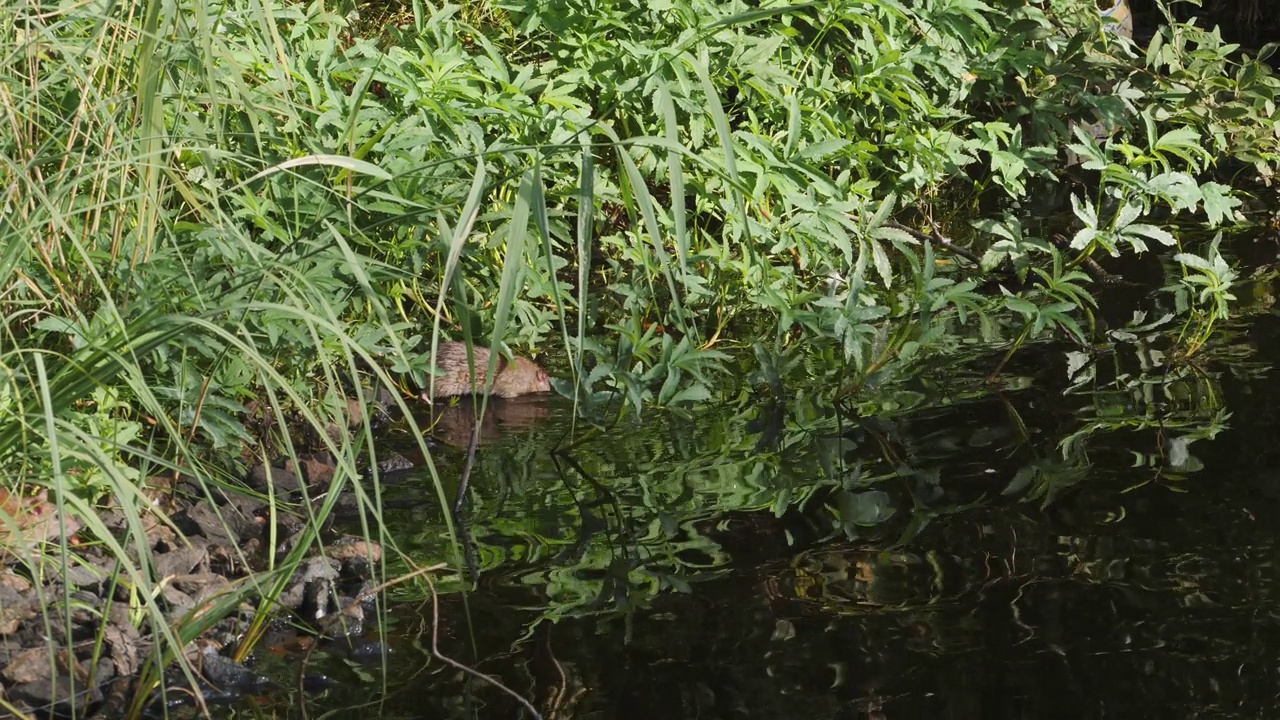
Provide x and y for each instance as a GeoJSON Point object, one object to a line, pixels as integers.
{"type": "Point", "coordinates": [223, 220]}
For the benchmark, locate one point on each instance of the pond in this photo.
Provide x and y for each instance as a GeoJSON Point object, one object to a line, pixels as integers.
{"type": "Point", "coordinates": [1089, 537]}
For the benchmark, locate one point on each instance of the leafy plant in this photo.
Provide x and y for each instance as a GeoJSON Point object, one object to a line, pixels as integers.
{"type": "Point", "coordinates": [280, 206]}
{"type": "Point", "coordinates": [1203, 295]}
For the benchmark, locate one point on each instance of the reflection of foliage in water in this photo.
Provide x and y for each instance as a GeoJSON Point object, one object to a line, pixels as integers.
{"type": "Point", "coordinates": [657, 505]}
{"type": "Point", "coordinates": [1148, 598]}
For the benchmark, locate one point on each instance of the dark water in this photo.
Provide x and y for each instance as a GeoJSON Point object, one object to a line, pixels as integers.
{"type": "Point", "coordinates": [1029, 550]}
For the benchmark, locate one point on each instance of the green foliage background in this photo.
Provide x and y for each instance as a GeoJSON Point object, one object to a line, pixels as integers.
{"type": "Point", "coordinates": [212, 204]}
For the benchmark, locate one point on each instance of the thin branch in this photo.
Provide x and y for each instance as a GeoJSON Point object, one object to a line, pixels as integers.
{"type": "Point", "coordinates": [938, 239]}
{"type": "Point", "coordinates": [1088, 264]}
{"type": "Point", "coordinates": [435, 651]}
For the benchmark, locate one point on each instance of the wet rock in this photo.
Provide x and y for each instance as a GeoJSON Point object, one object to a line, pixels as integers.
{"type": "Point", "coordinates": [220, 680]}
{"type": "Point", "coordinates": [349, 620]}
{"type": "Point", "coordinates": [317, 598]}
{"type": "Point", "coordinates": [116, 700]}
{"type": "Point", "coordinates": [315, 572]}
{"type": "Point", "coordinates": [292, 530]}
{"type": "Point", "coordinates": [347, 549]}
{"type": "Point", "coordinates": [356, 555]}
{"type": "Point", "coordinates": [393, 463]}
{"type": "Point", "coordinates": [228, 675]}
{"type": "Point", "coordinates": [315, 682]}
{"type": "Point", "coordinates": [321, 597]}
{"type": "Point", "coordinates": [385, 400]}
{"type": "Point", "coordinates": [347, 505]}
{"type": "Point", "coordinates": [368, 652]}
{"type": "Point", "coordinates": [219, 696]}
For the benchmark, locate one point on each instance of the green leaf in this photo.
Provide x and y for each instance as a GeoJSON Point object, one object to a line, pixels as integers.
{"type": "Point", "coordinates": [1022, 306]}
{"type": "Point", "coordinates": [1194, 261]}
{"type": "Point", "coordinates": [881, 260]}
{"type": "Point", "coordinates": [1158, 234]}
{"type": "Point", "coordinates": [867, 508]}
{"type": "Point", "coordinates": [341, 161]}
{"type": "Point", "coordinates": [821, 150]}
{"type": "Point", "coordinates": [1219, 203]}
{"type": "Point", "coordinates": [692, 394]}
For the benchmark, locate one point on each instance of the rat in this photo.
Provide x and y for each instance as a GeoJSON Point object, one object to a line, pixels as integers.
{"type": "Point", "coordinates": [520, 376]}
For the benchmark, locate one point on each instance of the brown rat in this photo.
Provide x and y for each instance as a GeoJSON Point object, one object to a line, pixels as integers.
{"type": "Point", "coordinates": [520, 376]}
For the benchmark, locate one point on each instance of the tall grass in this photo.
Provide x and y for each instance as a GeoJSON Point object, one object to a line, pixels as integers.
{"type": "Point", "coordinates": [155, 279]}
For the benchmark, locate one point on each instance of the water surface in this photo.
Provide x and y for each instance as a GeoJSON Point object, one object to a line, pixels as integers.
{"type": "Point", "coordinates": [1100, 545]}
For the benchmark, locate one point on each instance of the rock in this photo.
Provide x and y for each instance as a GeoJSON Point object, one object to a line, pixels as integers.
{"type": "Point", "coordinates": [122, 643]}
{"type": "Point", "coordinates": [43, 693]}
{"type": "Point", "coordinates": [18, 602]}
{"type": "Point", "coordinates": [312, 571]}
{"type": "Point", "coordinates": [348, 548]}
{"type": "Point", "coordinates": [392, 463]}
{"type": "Point", "coordinates": [86, 607]}
{"type": "Point", "coordinates": [227, 674]}
{"type": "Point", "coordinates": [316, 468]}
{"type": "Point", "coordinates": [179, 602]}
{"type": "Point", "coordinates": [30, 665]}
{"type": "Point", "coordinates": [181, 561]}
{"type": "Point", "coordinates": [369, 652]}
{"type": "Point", "coordinates": [284, 481]}
{"type": "Point", "coordinates": [210, 523]}
{"type": "Point", "coordinates": [347, 622]}
{"type": "Point", "coordinates": [316, 682]}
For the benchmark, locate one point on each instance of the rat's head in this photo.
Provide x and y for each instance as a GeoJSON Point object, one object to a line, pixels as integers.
{"type": "Point", "coordinates": [522, 377]}
{"type": "Point", "coordinates": [541, 382]}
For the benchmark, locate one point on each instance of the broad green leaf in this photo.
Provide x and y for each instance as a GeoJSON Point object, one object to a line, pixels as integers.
{"type": "Point", "coordinates": [1219, 203]}
{"type": "Point", "coordinates": [1158, 234]}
